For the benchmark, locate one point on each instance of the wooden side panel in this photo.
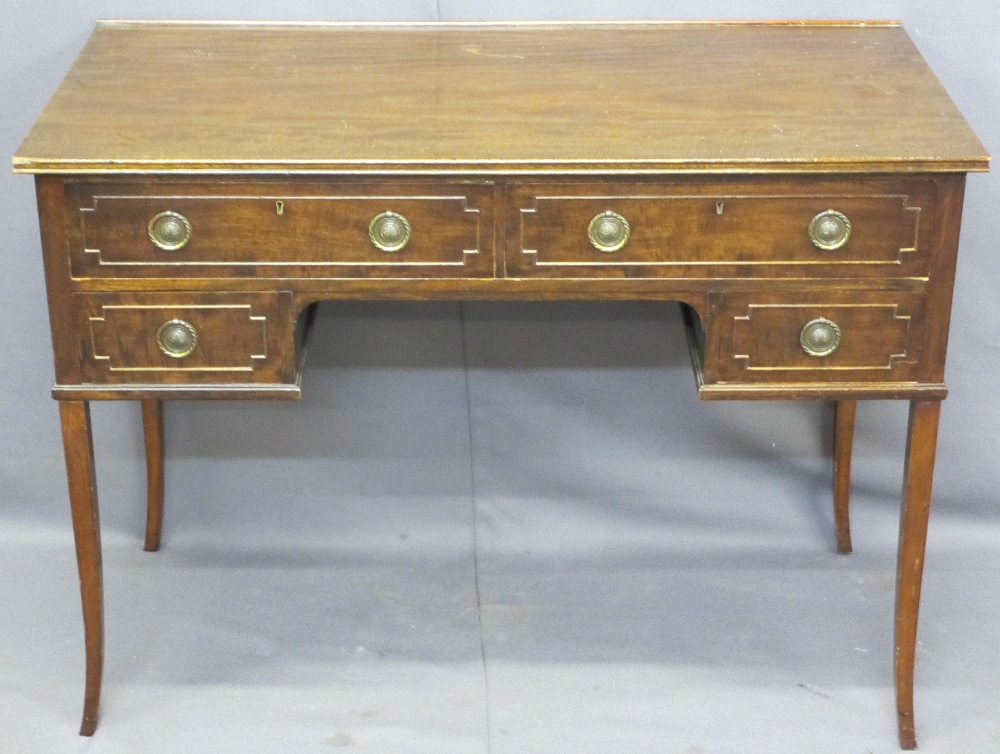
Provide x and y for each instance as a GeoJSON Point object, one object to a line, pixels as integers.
{"type": "Point", "coordinates": [50, 194]}
{"type": "Point", "coordinates": [944, 246]}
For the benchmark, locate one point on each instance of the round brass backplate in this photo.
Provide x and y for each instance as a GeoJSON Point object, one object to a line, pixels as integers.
{"type": "Point", "coordinates": [389, 231]}
{"type": "Point", "coordinates": [177, 338]}
{"type": "Point", "coordinates": [608, 231]}
{"type": "Point", "coordinates": [169, 231]}
{"type": "Point", "coordinates": [829, 230]}
{"type": "Point", "coordinates": [820, 337]}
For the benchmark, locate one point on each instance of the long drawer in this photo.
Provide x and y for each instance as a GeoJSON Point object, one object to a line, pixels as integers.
{"type": "Point", "coordinates": [802, 228]}
{"type": "Point", "coordinates": [267, 229]}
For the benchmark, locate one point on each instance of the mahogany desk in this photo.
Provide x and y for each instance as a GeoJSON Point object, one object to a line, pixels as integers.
{"type": "Point", "coordinates": [797, 187]}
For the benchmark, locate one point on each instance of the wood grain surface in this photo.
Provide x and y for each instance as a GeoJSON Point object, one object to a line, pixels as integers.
{"type": "Point", "coordinates": [591, 97]}
{"type": "Point", "coordinates": [320, 230]}
{"type": "Point", "coordinates": [694, 227]}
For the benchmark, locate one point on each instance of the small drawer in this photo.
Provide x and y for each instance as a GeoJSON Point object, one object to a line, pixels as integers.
{"type": "Point", "coordinates": [267, 229]}
{"type": "Point", "coordinates": [178, 338]}
{"type": "Point", "coordinates": [819, 336]}
{"type": "Point", "coordinates": [801, 228]}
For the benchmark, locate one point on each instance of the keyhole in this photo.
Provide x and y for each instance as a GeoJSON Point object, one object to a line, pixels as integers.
{"type": "Point", "coordinates": [719, 207]}
{"type": "Point", "coordinates": [279, 207]}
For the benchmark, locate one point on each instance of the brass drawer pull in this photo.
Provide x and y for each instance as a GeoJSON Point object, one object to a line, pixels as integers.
{"type": "Point", "coordinates": [389, 231]}
{"type": "Point", "coordinates": [608, 231]}
{"type": "Point", "coordinates": [170, 231]}
{"type": "Point", "coordinates": [820, 337]}
{"type": "Point", "coordinates": [177, 338]}
{"type": "Point", "coordinates": [829, 230]}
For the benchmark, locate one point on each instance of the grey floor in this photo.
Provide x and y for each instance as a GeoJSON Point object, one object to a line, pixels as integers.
{"type": "Point", "coordinates": [507, 529]}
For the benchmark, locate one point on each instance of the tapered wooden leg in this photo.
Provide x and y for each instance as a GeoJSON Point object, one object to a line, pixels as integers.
{"type": "Point", "coordinates": [921, 445]}
{"type": "Point", "coordinates": [843, 443]}
{"type": "Point", "coordinates": [79, 449]}
{"type": "Point", "coordinates": [152, 429]}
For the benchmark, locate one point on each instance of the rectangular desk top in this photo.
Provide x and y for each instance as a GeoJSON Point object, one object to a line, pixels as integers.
{"type": "Point", "coordinates": [179, 97]}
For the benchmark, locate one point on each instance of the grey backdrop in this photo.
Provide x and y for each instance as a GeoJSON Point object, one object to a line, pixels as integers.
{"type": "Point", "coordinates": [497, 527]}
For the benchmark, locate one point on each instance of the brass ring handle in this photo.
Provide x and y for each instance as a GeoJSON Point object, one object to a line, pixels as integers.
{"type": "Point", "coordinates": [177, 338]}
{"type": "Point", "coordinates": [389, 231]}
{"type": "Point", "coordinates": [169, 231]}
{"type": "Point", "coordinates": [820, 337]}
{"type": "Point", "coordinates": [829, 230]}
{"type": "Point", "coordinates": [608, 231]}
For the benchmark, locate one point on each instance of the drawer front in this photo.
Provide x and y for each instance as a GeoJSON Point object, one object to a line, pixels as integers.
{"type": "Point", "coordinates": [171, 338]}
{"type": "Point", "coordinates": [282, 230]}
{"type": "Point", "coordinates": [722, 229]}
{"type": "Point", "coordinates": [818, 336]}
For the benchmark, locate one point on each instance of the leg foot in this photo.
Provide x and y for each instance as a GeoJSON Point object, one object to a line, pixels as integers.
{"type": "Point", "coordinates": [79, 448]}
{"type": "Point", "coordinates": [843, 442]}
{"type": "Point", "coordinates": [152, 429]}
{"type": "Point", "coordinates": [921, 445]}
